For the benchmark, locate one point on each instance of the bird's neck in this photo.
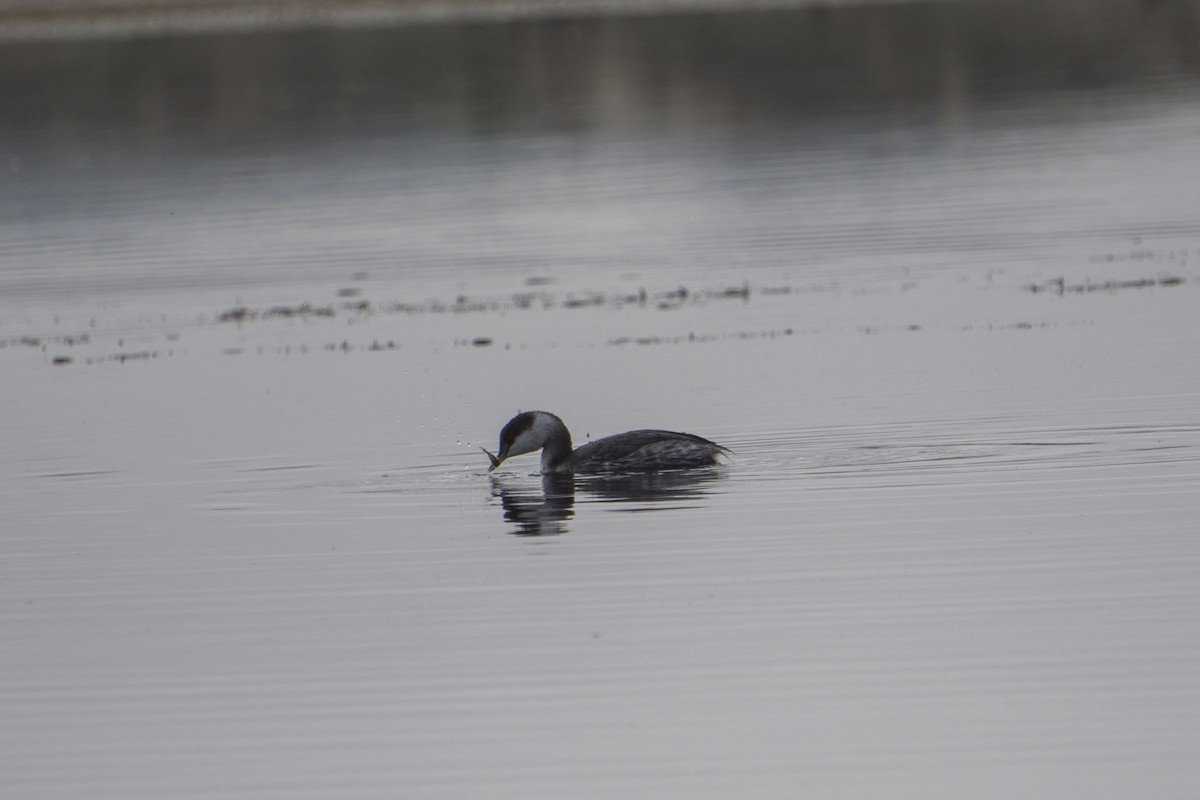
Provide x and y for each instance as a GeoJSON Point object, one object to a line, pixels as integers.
{"type": "Point", "coordinates": [556, 450]}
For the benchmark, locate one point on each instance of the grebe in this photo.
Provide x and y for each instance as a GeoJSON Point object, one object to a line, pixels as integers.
{"type": "Point", "coordinates": [645, 450]}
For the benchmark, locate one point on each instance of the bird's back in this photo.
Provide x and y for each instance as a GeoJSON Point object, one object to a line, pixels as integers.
{"type": "Point", "coordinates": [646, 450]}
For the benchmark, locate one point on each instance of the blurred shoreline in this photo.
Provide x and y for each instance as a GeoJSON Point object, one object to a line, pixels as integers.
{"type": "Point", "coordinates": [79, 19]}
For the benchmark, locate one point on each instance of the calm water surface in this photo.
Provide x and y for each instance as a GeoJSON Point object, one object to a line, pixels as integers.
{"type": "Point", "coordinates": [930, 271]}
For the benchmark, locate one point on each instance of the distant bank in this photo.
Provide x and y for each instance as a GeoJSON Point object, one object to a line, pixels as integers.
{"type": "Point", "coordinates": [52, 19]}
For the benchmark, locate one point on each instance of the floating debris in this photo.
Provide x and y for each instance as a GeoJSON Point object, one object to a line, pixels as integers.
{"type": "Point", "coordinates": [239, 314]}
{"type": "Point", "coordinates": [302, 310]}
{"type": "Point", "coordinates": [61, 360]}
{"type": "Point", "coordinates": [144, 355]}
{"type": "Point", "coordinates": [523, 300]}
{"type": "Point", "coordinates": [1060, 286]}
{"type": "Point", "coordinates": [583, 302]}
{"type": "Point", "coordinates": [43, 341]}
{"type": "Point", "coordinates": [700, 338]}
{"type": "Point", "coordinates": [742, 292]}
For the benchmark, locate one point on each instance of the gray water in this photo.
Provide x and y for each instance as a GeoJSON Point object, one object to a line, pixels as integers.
{"type": "Point", "coordinates": [929, 270]}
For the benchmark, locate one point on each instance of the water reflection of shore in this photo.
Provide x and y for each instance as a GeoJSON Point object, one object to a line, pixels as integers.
{"type": "Point", "coordinates": [547, 512]}
{"type": "Point", "coordinates": [225, 93]}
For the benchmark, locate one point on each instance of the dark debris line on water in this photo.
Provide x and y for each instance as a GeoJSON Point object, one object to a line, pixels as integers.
{"type": "Point", "coordinates": [541, 300]}
{"type": "Point", "coordinates": [544, 300]}
{"type": "Point", "coordinates": [1061, 287]}
{"type": "Point", "coordinates": [663, 300]}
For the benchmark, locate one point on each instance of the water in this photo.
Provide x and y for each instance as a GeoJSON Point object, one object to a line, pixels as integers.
{"type": "Point", "coordinates": [929, 271]}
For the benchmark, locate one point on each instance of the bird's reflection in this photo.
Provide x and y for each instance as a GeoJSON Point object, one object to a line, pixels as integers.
{"type": "Point", "coordinates": [547, 512]}
{"type": "Point", "coordinates": [650, 487]}
{"type": "Point", "coordinates": [535, 513]}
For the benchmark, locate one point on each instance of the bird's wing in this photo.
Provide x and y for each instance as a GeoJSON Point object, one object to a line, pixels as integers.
{"type": "Point", "coordinates": [653, 445]}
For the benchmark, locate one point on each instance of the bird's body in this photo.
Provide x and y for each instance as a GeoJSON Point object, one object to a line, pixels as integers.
{"type": "Point", "coordinates": [636, 451]}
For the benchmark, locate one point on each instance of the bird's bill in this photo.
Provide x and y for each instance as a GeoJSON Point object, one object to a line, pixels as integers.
{"type": "Point", "coordinates": [496, 460]}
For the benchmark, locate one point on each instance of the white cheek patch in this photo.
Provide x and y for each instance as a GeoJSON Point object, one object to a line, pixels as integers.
{"type": "Point", "coordinates": [526, 442]}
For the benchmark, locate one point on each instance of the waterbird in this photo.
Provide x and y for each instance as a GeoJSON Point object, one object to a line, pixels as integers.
{"type": "Point", "coordinates": [635, 451]}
